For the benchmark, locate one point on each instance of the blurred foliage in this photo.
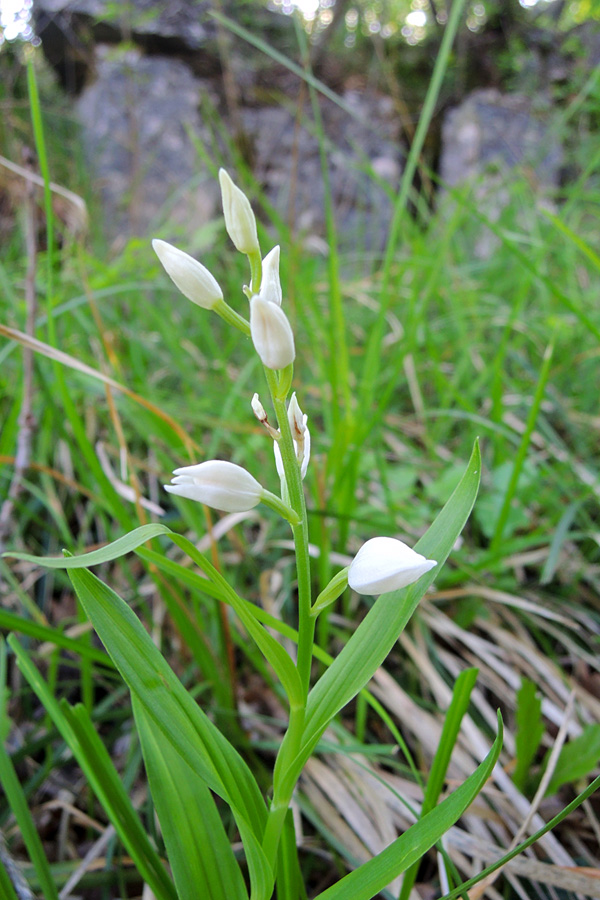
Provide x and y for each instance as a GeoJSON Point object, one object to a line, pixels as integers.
{"type": "Point", "coordinates": [412, 21]}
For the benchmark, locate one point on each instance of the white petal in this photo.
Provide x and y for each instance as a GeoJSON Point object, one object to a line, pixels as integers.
{"type": "Point", "coordinates": [192, 278]}
{"type": "Point", "coordinates": [270, 288]}
{"type": "Point", "coordinates": [258, 409]}
{"type": "Point", "coordinates": [239, 218]}
{"type": "Point", "coordinates": [295, 418]}
{"type": "Point", "coordinates": [386, 564]}
{"type": "Point", "coordinates": [278, 460]}
{"type": "Point", "coordinates": [271, 333]}
{"type": "Point", "coordinates": [219, 484]}
{"type": "Point", "coordinates": [306, 457]}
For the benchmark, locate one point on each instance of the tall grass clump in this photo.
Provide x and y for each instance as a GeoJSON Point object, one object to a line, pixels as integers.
{"type": "Point", "coordinates": [240, 667]}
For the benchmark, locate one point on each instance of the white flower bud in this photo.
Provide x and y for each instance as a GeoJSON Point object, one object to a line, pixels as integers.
{"type": "Point", "coordinates": [296, 419]}
{"type": "Point", "coordinates": [301, 436]}
{"type": "Point", "coordinates": [190, 276]}
{"type": "Point", "coordinates": [386, 564]}
{"type": "Point", "coordinates": [271, 284]}
{"type": "Point", "coordinates": [305, 452]}
{"type": "Point", "coordinates": [239, 218]}
{"type": "Point", "coordinates": [271, 333]}
{"type": "Point", "coordinates": [300, 433]}
{"type": "Point", "coordinates": [258, 409]}
{"type": "Point", "coordinates": [278, 461]}
{"type": "Point", "coordinates": [303, 464]}
{"type": "Point", "coordinates": [219, 484]}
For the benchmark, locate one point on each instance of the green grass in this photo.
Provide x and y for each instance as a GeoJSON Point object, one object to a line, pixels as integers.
{"type": "Point", "coordinates": [439, 347]}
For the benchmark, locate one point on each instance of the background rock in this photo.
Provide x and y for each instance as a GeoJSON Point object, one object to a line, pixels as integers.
{"type": "Point", "coordinates": [485, 138]}
{"type": "Point", "coordinates": [287, 162]}
{"type": "Point", "coordinates": [140, 110]}
{"type": "Point", "coordinates": [491, 131]}
{"type": "Point", "coordinates": [136, 118]}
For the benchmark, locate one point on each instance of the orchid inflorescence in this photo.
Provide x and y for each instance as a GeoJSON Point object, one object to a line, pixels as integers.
{"type": "Point", "coordinates": [383, 563]}
{"type": "Point", "coordinates": [187, 757]}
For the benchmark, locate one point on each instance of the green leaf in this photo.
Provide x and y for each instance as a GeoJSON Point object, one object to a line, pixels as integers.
{"type": "Point", "coordinates": [118, 548]}
{"type": "Point", "coordinates": [80, 736]}
{"type": "Point", "coordinates": [147, 673]}
{"type": "Point", "coordinates": [530, 730]}
{"type": "Point", "coordinates": [373, 876]}
{"type": "Point", "coordinates": [199, 851]}
{"type": "Point", "coordinates": [379, 630]}
{"type": "Point", "coordinates": [459, 704]}
{"type": "Point", "coordinates": [273, 651]}
{"type": "Point", "coordinates": [577, 758]}
{"type": "Point", "coordinates": [192, 734]}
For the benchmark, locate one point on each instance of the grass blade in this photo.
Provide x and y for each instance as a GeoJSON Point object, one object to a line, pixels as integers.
{"type": "Point", "coordinates": [7, 891]}
{"type": "Point", "coordinates": [529, 732]}
{"type": "Point", "coordinates": [373, 348]}
{"type": "Point", "coordinates": [12, 622]}
{"type": "Point", "coordinates": [523, 447]}
{"type": "Point", "coordinates": [467, 885]}
{"type": "Point", "coordinates": [18, 804]}
{"type": "Point", "coordinates": [459, 704]}
{"type": "Point", "coordinates": [370, 878]}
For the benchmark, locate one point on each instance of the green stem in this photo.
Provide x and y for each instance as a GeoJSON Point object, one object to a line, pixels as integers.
{"type": "Point", "coordinates": [282, 793]}
{"type": "Point", "coordinates": [306, 624]}
{"type": "Point", "coordinates": [276, 503]}
{"type": "Point", "coordinates": [283, 786]}
{"type": "Point", "coordinates": [255, 272]}
{"type": "Point", "coordinates": [230, 316]}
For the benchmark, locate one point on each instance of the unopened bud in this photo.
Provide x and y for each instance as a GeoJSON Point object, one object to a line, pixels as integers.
{"type": "Point", "coordinates": [386, 564]}
{"type": "Point", "coordinates": [190, 276]}
{"type": "Point", "coordinates": [270, 287]}
{"type": "Point", "coordinates": [239, 218]}
{"type": "Point", "coordinates": [258, 409]}
{"type": "Point", "coordinates": [301, 435]}
{"type": "Point", "coordinates": [296, 419]}
{"type": "Point", "coordinates": [218, 484]}
{"type": "Point", "coordinates": [271, 333]}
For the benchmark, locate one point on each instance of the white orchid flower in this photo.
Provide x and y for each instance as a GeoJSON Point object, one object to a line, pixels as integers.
{"type": "Point", "coordinates": [386, 564]}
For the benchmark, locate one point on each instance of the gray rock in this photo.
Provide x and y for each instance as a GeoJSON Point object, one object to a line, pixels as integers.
{"type": "Point", "coordinates": [286, 161]}
{"type": "Point", "coordinates": [135, 120]}
{"type": "Point", "coordinates": [489, 136]}
{"type": "Point", "coordinates": [184, 20]}
{"type": "Point", "coordinates": [491, 131]}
